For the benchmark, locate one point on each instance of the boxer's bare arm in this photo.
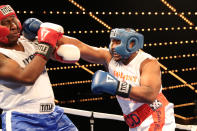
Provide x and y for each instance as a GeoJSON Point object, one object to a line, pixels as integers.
{"type": "Point", "coordinates": [88, 53]}
{"type": "Point", "coordinates": [150, 82]}
{"type": "Point", "coordinates": [10, 70]}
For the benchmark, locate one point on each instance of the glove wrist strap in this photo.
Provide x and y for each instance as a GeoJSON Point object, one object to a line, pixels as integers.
{"type": "Point", "coordinates": [45, 50]}
{"type": "Point", "coordinates": [123, 89]}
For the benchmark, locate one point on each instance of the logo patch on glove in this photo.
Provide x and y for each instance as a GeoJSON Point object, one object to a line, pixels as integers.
{"type": "Point", "coordinates": [44, 33]}
{"type": "Point", "coordinates": [123, 87]}
{"type": "Point", "coordinates": [110, 79]}
{"type": "Point", "coordinates": [42, 48]}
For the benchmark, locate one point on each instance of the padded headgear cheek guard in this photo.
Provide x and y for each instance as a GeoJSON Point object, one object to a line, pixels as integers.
{"type": "Point", "coordinates": [126, 37]}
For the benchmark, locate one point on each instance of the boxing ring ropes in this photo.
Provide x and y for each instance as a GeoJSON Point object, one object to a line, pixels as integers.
{"type": "Point", "coordinates": [92, 115]}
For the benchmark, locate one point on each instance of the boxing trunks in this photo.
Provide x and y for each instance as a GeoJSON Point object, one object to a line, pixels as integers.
{"type": "Point", "coordinates": [16, 121]}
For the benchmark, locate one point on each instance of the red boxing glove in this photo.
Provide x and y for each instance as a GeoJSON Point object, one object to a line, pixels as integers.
{"type": "Point", "coordinates": [4, 32]}
{"type": "Point", "coordinates": [48, 35]}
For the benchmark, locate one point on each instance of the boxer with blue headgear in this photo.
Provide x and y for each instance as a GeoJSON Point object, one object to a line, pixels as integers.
{"type": "Point", "coordinates": [132, 76]}
{"type": "Point", "coordinates": [126, 36]}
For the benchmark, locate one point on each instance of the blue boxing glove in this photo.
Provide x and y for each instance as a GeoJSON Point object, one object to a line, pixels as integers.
{"type": "Point", "coordinates": [31, 27]}
{"type": "Point", "coordinates": [103, 82]}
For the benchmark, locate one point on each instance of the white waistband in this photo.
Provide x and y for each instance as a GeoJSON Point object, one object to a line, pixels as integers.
{"type": "Point", "coordinates": [37, 108]}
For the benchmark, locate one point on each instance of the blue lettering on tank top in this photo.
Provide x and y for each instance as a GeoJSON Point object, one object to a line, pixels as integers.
{"type": "Point", "coordinates": [28, 59]}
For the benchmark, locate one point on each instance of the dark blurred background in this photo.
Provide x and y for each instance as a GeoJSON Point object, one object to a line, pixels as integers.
{"type": "Point", "coordinates": [168, 37]}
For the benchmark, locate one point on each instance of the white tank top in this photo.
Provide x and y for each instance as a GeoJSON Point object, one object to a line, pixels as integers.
{"type": "Point", "coordinates": [131, 74]}
{"type": "Point", "coordinates": [36, 98]}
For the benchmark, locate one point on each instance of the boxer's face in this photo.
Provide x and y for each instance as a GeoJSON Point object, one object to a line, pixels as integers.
{"type": "Point", "coordinates": [11, 22]}
{"type": "Point", "coordinates": [114, 44]}
{"type": "Point", "coordinates": [115, 55]}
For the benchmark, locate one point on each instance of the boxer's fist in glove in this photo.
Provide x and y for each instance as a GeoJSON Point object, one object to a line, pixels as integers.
{"type": "Point", "coordinates": [48, 35]}
{"type": "Point", "coordinates": [4, 32]}
{"type": "Point", "coordinates": [67, 53]}
{"type": "Point", "coordinates": [31, 27]}
{"type": "Point", "coordinates": [103, 82]}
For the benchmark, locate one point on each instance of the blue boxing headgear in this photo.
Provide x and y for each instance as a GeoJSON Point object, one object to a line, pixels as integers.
{"type": "Point", "coordinates": [126, 37]}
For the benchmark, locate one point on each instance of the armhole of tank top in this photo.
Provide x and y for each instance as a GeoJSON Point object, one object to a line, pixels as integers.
{"type": "Point", "coordinates": [2, 54]}
{"type": "Point", "coordinates": [140, 66]}
{"type": "Point", "coordinates": [3, 59]}
{"type": "Point", "coordinates": [110, 61]}
{"type": "Point", "coordinates": [149, 57]}
{"type": "Point", "coordinates": [25, 46]}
